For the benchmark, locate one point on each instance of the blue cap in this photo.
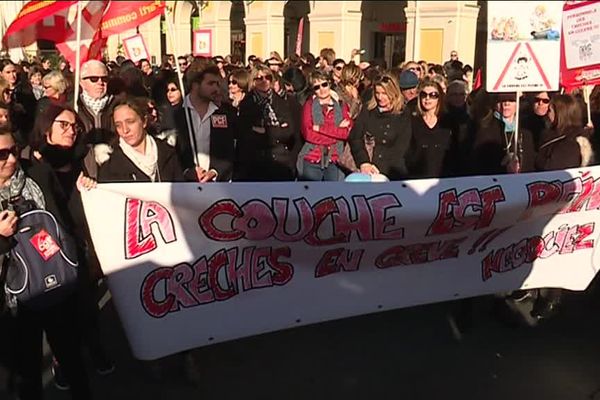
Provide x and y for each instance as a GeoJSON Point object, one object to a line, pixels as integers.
{"type": "Point", "coordinates": [408, 80]}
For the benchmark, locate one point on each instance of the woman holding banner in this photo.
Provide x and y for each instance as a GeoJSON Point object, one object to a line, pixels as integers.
{"type": "Point", "coordinates": [383, 121]}
{"type": "Point", "coordinates": [565, 145]}
{"type": "Point", "coordinates": [133, 155]}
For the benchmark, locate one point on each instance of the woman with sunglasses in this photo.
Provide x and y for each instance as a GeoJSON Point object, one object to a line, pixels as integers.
{"type": "Point", "coordinates": [237, 84]}
{"type": "Point", "coordinates": [326, 123]}
{"type": "Point", "coordinates": [170, 108]}
{"type": "Point", "coordinates": [383, 121]}
{"type": "Point", "coordinates": [564, 145]}
{"type": "Point", "coordinates": [36, 182]}
{"type": "Point", "coordinates": [269, 140]}
{"type": "Point", "coordinates": [431, 154]}
{"type": "Point", "coordinates": [535, 117]}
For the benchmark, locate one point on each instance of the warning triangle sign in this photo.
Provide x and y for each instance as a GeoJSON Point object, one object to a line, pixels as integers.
{"type": "Point", "coordinates": [522, 72]}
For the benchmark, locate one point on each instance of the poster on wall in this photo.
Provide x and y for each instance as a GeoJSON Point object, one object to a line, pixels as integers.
{"type": "Point", "coordinates": [523, 46]}
{"type": "Point", "coordinates": [135, 48]}
{"type": "Point", "coordinates": [202, 45]}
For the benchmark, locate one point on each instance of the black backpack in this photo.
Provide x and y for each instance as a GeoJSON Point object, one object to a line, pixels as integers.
{"type": "Point", "coordinates": [42, 266]}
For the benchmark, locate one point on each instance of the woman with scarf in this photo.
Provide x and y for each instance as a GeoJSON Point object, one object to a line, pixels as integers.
{"type": "Point", "coordinates": [269, 129]}
{"type": "Point", "coordinates": [57, 142]}
{"type": "Point", "coordinates": [37, 183]}
{"type": "Point", "coordinates": [133, 155]}
{"type": "Point", "coordinates": [495, 150]}
{"type": "Point", "coordinates": [326, 124]}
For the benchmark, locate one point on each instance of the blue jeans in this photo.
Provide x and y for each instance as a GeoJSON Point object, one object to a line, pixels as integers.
{"type": "Point", "coordinates": [314, 172]}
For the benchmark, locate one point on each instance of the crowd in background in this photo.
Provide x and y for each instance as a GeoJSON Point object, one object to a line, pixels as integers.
{"type": "Point", "coordinates": [306, 118]}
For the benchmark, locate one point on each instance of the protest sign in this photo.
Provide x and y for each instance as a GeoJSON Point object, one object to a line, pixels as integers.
{"type": "Point", "coordinates": [135, 48]}
{"type": "Point", "coordinates": [202, 45]}
{"type": "Point", "coordinates": [189, 265]}
{"type": "Point", "coordinates": [523, 47]}
{"type": "Point", "coordinates": [580, 58]}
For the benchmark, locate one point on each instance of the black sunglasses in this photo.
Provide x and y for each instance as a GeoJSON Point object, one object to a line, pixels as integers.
{"type": "Point", "coordinates": [233, 82]}
{"type": "Point", "coordinates": [542, 100]}
{"type": "Point", "coordinates": [432, 95]}
{"type": "Point", "coordinates": [172, 90]}
{"type": "Point", "coordinates": [5, 153]}
{"type": "Point", "coordinates": [322, 85]}
{"type": "Point", "coordinates": [339, 67]}
{"type": "Point", "coordinates": [95, 79]}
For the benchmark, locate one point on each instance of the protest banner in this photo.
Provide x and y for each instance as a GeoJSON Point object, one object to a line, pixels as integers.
{"type": "Point", "coordinates": [190, 265]}
{"type": "Point", "coordinates": [523, 47]}
{"type": "Point", "coordinates": [580, 56]}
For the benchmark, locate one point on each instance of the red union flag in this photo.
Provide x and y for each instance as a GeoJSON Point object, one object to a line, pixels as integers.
{"type": "Point", "coordinates": [56, 21]}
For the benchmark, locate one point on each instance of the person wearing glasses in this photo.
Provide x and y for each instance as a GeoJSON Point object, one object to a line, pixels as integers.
{"type": "Point", "coordinates": [36, 182]}
{"type": "Point", "coordinates": [95, 104]}
{"type": "Point", "coordinates": [182, 63]}
{"type": "Point", "coordinates": [237, 85]}
{"type": "Point", "coordinates": [382, 120]}
{"type": "Point", "coordinates": [431, 154]}
{"type": "Point", "coordinates": [326, 123]}
{"type": "Point", "coordinates": [336, 72]}
{"type": "Point", "coordinates": [57, 142]}
{"type": "Point", "coordinates": [535, 118]}
{"type": "Point", "coordinates": [269, 129]}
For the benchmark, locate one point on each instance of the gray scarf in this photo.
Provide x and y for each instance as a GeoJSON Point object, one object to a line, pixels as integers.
{"type": "Point", "coordinates": [24, 186]}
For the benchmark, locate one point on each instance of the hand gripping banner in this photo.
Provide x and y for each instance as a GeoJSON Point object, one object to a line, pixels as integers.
{"type": "Point", "coordinates": [190, 265]}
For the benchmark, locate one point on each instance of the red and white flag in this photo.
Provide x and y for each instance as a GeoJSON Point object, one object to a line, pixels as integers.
{"type": "Point", "coordinates": [56, 21]}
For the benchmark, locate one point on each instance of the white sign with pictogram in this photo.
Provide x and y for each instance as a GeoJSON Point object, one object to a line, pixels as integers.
{"type": "Point", "coordinates": [523, 47]}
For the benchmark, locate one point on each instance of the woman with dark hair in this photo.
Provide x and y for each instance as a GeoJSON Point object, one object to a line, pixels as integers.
{"type": "Point", "coordinates": [269, 129]}
{"type": "Point", "coordinates": [535, 116]}
{"type": "Point", "coordinates": [430, 154]}
{"type": "Point", "coordinates": [238, 84]}
{"type": "Point", "coordinates": [326, 124]}
{"type": "Point", "coordinates": [35, 182]}
{"type": "Point", "coordinates": [57, 142]}
{"type": "Point", "coordinates": [169, 109]}
{"type": "Point", "coordinates": [133, 155]}
{"type": "Point", "coordinates": [295, 83]}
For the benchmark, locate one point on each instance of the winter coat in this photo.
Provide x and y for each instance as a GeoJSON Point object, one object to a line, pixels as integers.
{"type": "Point", "coordinates": [563, 150]}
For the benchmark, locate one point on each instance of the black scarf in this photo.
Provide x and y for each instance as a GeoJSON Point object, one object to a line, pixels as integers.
{"type": "Point", "coordinates": [58, 156]}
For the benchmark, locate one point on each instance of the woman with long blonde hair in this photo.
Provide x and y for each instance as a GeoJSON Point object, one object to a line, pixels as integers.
{"type": "Point", "coordinates": [383, 121]}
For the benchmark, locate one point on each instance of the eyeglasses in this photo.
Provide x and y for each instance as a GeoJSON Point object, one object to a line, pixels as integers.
{"type": "Point", "coordinates": [182, 65]}
{"type": "Point", "coordinates": [339, 68]}
{"type": "Point", "coordinates": [172, 90]}
{"type": "Point", "coordinates": [432, 95]}
{"type": "Point", "coordinates": [5, 153]}
{"type": "Point", "coordinates": [233, 82]}
{"type": "Point", "coordinates": [95, 79]}
{"type": "Point", "coordinates": [262, 78]}
{"type": "Point", "coordinates": [322, 85]}
{"type": "Point", "coordinates": [64, 125]}
{"type": "Point", "coordinates": [542, 100]}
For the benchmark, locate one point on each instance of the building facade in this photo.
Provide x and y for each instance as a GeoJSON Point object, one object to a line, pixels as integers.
{"type": "Point", "coordinates": [391, 30]}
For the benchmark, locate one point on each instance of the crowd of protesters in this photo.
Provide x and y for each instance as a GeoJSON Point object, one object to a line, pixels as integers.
{"type": "Point", "coordinates": [302, 118]}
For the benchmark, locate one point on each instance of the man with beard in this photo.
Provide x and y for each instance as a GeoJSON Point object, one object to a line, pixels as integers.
{"type": "Point", "coordinates": [206, 145]}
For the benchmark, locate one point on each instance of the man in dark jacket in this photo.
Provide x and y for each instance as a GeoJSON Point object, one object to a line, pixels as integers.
{"type": "Point", "coordinates": [94, 104]}
{"type": "Point", "coordinates": [205, 131]}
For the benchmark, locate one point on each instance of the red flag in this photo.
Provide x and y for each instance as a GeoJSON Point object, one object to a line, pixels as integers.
{"type": "Point", "coordinates": [30, 23]}
{"type": "Point", "coordinates": [478, 83]}
{"type": "Point", "coordinates": [300, 36]}
{"type": "Point", "coordinates": [124, 15]}
{"type": "Point", "coordinates": [56, 21]}
{"type": "Point", "coordinates": [90, 41]}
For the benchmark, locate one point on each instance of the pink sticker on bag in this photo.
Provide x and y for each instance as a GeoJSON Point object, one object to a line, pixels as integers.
{"type": "Point", "coordinates": [44, 244]}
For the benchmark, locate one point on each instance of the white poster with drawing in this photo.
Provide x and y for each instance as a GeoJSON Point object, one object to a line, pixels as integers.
{"type": "Point", "coordinates": [523, 47]}
{"type": "Point", "coordinates": [581, 27]}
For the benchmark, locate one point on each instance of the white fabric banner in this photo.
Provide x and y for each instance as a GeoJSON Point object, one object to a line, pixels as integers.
{"type": "Point", "coordinates": [190, 265]}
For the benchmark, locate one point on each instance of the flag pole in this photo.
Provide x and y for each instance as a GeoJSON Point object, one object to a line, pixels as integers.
{"type": "Point", "coordinates": [77, 57]}
{"type": "Point", "coordinates": [518, 105]}
{"type": "Point", "coordinates": [182, 88]}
